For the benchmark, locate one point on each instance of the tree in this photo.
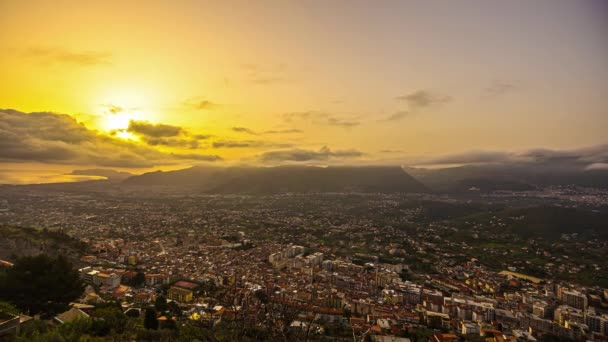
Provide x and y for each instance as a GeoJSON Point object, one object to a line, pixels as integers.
{"type": "Point", "coordinates": [175, 309]}
{"type": "Point", "coordinates": [108, 319]}
{"type": "Point", "coordinates": [137, 280]}
{"type": "Point", "coordinates": [7, 308]}
{"type": "Point", "coordinates": [161, 304]}
{"type": "Point", "coordinates": [150, 320]}
{"type": "Point", "coordinates": [346, 312]}
{"type": "Point", "coordinates": [41, 284]}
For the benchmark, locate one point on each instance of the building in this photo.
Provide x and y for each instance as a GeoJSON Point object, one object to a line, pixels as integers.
{"type": "Point", "coordinates": [444, 338]}
{"type": "Point", "coordinates": [597, 324]}
{"type": "Point", "coordinates": [132, 260]}
{"type": "Point", "coordinates": [179, 294]}
{"type": "Point", "coordinates": [103, 279]}
{"type": "Point", "coordinates": [575, 299]}
{"type": "Point", "coordinates": [467, 328]}
{"type": "Point", "coordinates": [73, 314]}
{"type": "Point", "coordinates": [157, 279]}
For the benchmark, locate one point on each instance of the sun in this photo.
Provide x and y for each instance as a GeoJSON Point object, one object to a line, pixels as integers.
{"type": "Point", "coordinates": [116, 120]}
{"type": "Point", "coordinates": [119, 104]}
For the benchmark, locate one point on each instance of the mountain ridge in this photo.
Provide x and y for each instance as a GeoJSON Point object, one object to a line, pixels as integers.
{"type": "Point", "coordinates": [281, 179]}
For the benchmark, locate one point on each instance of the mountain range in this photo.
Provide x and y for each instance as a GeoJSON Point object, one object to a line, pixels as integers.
{"type": "Point", "coordinates": [282, 179]}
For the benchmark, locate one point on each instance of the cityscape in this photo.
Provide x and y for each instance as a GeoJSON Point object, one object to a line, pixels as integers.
{"type": "Point", "coordinates": [264, 170]}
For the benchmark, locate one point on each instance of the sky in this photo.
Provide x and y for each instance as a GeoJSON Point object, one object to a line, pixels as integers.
{"type": "Point", "coordinates": [146, 85]}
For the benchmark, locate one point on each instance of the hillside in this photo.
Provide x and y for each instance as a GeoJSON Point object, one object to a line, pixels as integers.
{"type": "Point", "coordinates": [109, 174]}
{"type": "Point", "coordinates": [249, 180]}
{"type": "Point", "coordinates": [513, 177]}
{"type": "Point", "coordinates": [21, 241]}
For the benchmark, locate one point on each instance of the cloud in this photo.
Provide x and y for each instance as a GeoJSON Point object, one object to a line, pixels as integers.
{"type": "Point", "coordinates": [200, 103]}
{"type": "Point", "coordinates": [592, 157]}
{"type": "Point", "coordinates": [194, 156]}
{"type": "Point", "coordinates": [248, 144]}
{"type": "Point", "coordinates": [58, 138]}
{"type": "Point", "coordinates": [63, 56]}
{"type": "Point", "coordinates": [244, 130]}
{"type": "Point", "coordinates": [341, 122]}
{"type": "Point", "coordinates": [154, 130]}
{"type": "Point", "coordinates": [302, 155]}
{"type": "Point", "coordinates": [165, 135]}
{"type": "Point", "coordinates": [500, 87]}
{"type": "Point", "coordinates": [396, 116]}
{"type": "Point", "coordinates": [471, 157]}
{"type": "Point", "coordinates": [284, 131]}
{"type": "Point", "coordinates": [172, 142]}
{"type": "Point", "coordinates": [597, 166]}
{"type": "Point", "coordinates": [253, 132]}
{"type": "Point", "coordinates": [320, 118]}
{"type": "Point", "coordinates": [423, 99]}
{"type": "Point", "coordinates": [115, 109]}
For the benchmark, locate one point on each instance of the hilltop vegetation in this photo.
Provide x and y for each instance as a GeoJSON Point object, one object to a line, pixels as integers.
{"type": "Point", "coordinates": [261, 180]}
{"type": "Point", "coordinates": [23, 241]}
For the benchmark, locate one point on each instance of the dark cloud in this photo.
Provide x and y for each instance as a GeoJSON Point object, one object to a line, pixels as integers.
{"type": "Point", "coordinates": [396, 116]}
{"type": "Point", "coordinates": [244, 130]}
{"type": "Point", "coordinates": [248, 144]}
{"type": "Point", "coordinates": [200, 103]}
{"type": "Point", "coordinates": [59, 55]}
{"type": "Point", "coordinates": [320, 118]}
{"type": "Point", "coordinates": [252, 132]}
{"type": "Point", "coordinates": [204, 104]}
{"type": "Point", "coordinates": [284, 131]}
{"type": "Point", "coordinates": [165, 135]}
{"type": "Point", "coordinates": [154, 130]}
{"type": "Point", "coordinates": [58, 138]}
{"type": "Point", "coordinates": [332, 121]}
{"type": "Point", "coordinates": [292, 116]}
{"type": "Point", "coordinates": [172, 142]}
{"type": "Point", "coordinates": [115, 109]}
{"type": "Point", "coordinates": [574, 158]}
{"type": "Point", "coordinates": [198, 157]}
{"type": "Point", "coordinates": [302, 155]}
{"type": "Point", "coordinates": [201, 136]}
{"type": "Point", "coordinates": [471, 157]}
{"type": "Point", "coordinates": [234, 144]}
{"type": "Point", "coordinates": [424, 98]}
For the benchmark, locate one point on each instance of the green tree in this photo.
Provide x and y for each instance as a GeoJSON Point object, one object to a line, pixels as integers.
{"type": "Point", "coordinates": [150, 319]}
{"type": "Point", "coordinates": [175, 309]}
{"type": "Point", "coordinates": [41, 284]}
{"type": "Point", "coordinates": [346, 313]}
{"type": "Point", "coordinates": [137, 280]}
{"type": "Point", "coordinates": [108, 319]}
{"type": "Point", "coordinates": [8, 308]}
{"type": "Point", "coordinates": [161, 304]}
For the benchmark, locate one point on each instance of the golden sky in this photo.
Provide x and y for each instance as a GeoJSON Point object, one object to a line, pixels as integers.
{"type": "Point", "coordinates": [175, 83]}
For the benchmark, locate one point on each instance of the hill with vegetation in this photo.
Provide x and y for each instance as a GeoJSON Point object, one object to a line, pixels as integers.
{"type": "Point", "coordinates": [271, 180]}
{"type": "Point", "coordinates": [18, 242]}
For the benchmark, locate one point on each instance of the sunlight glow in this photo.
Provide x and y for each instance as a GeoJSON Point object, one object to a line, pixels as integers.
{"type": "Point", "coordinates": [123, 134]}
{"type": "Point", "coordinates": [118, 118]}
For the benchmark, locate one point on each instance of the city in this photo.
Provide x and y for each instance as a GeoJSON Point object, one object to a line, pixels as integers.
{"type": "Point", "coordinates": [378, 265]}
{"type": "Point", "coordinates": [303, 171]}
